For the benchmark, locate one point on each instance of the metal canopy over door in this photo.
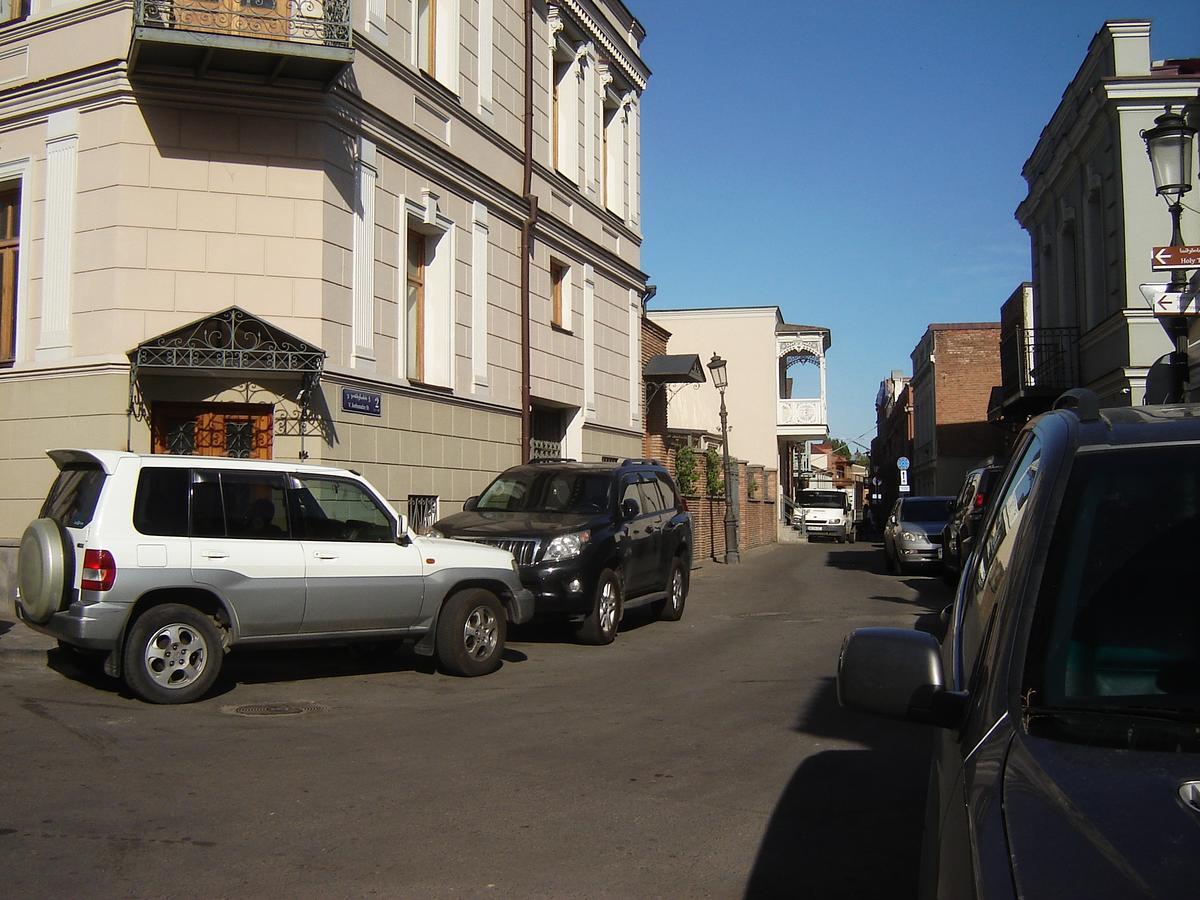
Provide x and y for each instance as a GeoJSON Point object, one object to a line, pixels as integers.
{"type": "Point", "coordinates": [229, 344]}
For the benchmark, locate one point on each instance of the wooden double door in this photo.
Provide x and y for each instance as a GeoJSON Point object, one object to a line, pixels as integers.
{"type": "Point", "coordinates": [237, 430]}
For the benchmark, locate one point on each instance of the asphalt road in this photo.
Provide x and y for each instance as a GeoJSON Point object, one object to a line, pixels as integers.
{"type": "Point", "coordinates": [704, 758]}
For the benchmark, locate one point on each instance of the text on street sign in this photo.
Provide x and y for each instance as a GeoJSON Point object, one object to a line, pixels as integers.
{"type": "Point", "coordinates": [1175, 258]}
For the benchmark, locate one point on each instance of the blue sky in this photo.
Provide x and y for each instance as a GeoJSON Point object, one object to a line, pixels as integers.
{"type": "Point", "coordinates": [856, 164]}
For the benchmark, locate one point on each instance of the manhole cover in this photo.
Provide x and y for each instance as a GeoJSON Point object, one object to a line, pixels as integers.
{"type": "Point", "coordinates": [274, 709]}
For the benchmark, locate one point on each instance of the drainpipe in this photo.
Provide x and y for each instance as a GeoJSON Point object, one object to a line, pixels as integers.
{"type": "Point", "coordinates": [527, 226]}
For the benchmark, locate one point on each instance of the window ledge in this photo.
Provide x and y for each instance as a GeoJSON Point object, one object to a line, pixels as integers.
{"type": "Point", "coordinates": [554, 326]}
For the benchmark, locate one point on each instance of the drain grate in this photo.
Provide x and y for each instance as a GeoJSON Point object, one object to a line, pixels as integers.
{"type": "Point", "coordinates": [274, 709]}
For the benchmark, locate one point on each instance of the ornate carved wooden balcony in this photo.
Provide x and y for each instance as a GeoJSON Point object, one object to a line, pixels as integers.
{"type": "Point", "coordinates": [294, 40]}
{"type": "Point", "coordinates": [796, 415]}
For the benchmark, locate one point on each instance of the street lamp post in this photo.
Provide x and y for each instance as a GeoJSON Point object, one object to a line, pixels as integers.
{"type": "Point", "coordinates": [716, 365]}
{"type": "Point", "coordinates": [1169, 146]}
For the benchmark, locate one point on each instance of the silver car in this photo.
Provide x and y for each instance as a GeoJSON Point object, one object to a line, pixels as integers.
{"type": "Point", "coordinates": [912, 535]}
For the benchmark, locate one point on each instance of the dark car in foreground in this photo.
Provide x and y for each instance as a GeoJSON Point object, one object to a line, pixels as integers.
{"type": "Point", "coordinates": [1066, 690]}
{"type": "Point", "coordinates": [958, 537]}
{"type": "Point", "coordinates": [591, 539]}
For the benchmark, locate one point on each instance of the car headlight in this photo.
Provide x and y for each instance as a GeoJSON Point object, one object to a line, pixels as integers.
{"type": "Point", "coordinates": [433, 532]}
{"type": "Point", "coordinates": [566, 546]}
{"type": "Point", "coordinates": [836, 520]}
{"type": "Point", "coordinates": [913, 536]}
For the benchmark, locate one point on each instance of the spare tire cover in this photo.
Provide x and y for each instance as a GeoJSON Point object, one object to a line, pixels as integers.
{"type": "Point", "coordinates": [42, 569]}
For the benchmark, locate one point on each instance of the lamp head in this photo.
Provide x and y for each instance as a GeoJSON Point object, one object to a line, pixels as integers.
{"type": "Point", "coordinates": [716, 365]}
{"type": "Point", "coordinates": [1169, 146]}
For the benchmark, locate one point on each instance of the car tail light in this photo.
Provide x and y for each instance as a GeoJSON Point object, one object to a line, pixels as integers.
{"type": "Point", "coordinates": [99, 570]}
{"type": "Point", "coordinates": [980, 499]}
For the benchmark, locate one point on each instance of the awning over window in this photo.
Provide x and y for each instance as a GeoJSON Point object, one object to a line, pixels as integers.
{"type": "Point", "coordinates": [684, 368]}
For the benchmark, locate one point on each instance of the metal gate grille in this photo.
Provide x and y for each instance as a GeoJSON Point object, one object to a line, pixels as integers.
{"type": "Point", "coordinates": [422, 512]}
{"type": "Point", "coordinates": [545, 449]}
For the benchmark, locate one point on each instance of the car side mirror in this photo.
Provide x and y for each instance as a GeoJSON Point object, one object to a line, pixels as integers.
{"type": "Point", "coordinates": [897, 673]}
{"type": "Point", "coordinates": [630, 509]}
{"type": "Point", "coordinates": [402, 531]}
{"type": "Point", "coordinates": [470, 503]}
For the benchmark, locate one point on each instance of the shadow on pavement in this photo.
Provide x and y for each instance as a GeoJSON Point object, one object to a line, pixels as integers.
{"type": "Point", "coordinates": [266, 666]}
{"type": "Point", "coordinates": [932, 594]}
{"type": "Point", "coordinates": [849, 821]}
{"type": "Point", "coordinates": [864, 559]}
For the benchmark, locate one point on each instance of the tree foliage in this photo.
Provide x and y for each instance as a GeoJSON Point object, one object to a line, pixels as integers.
{"type": "Point", "coordinates": [714, 478]}
{"type": "Point", "coordinates": [685, 470]}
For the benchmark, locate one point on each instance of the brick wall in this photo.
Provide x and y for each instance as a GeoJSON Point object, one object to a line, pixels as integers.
{"type": "Point", "coordinates": [757, 520]}
{"type": "Point", "coordinates": [967, 368]}
{"type": "Point", "coordinates": [654, 433]}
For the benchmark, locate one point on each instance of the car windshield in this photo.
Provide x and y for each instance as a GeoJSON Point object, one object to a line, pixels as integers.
{"type": "Point", "coordinates": [1117, 627]}
{"type": "Point", "coordinates": [548, 491]}
{"type": "Point", "coordinates": [821, 499]}
{"type": "Point", "coordinates": [925, 509]}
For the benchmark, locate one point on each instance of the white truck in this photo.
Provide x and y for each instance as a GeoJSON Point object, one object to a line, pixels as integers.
{"type": "Point", "coordinates": [826, 513]}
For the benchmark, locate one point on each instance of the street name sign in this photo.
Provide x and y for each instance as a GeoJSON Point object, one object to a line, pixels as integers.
{"type": "Point", "coordinates": [1164, 258]}
{"type": "Point", "coordinates": [1163, 303]}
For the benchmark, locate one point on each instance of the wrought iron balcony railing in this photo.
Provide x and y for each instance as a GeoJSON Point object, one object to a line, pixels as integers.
{"type": "Point", "coordinates": [1046, 359]}
{"type": "Point", "coordinates": [323, 22]}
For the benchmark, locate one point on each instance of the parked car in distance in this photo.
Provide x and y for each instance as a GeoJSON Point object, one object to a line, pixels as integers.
{"type": "Point", "coordinates": [1066, 691]}
{"type": "Point", "coordinates": [912, 535]}
{"type": "Point", "coordinates": [828, 513]}
{"type": "Point", "coordinates": [164, 563]}
{"type": "Point", "coordinates": [958, 537]}
{"type": "Point", "coordinates": [591, 539]}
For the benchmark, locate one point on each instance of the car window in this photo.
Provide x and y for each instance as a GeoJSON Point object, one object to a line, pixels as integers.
{"type": "Point", "coordinates": [339, 509]}
{"type": "Point", "coordinates": [1117, 622]}
{"type": "Point", "coordinates": [630, 491]}
{"type": "Point", "coordinates": [248, 505]}
{"type": "Point", "coordinates": [670, 499]}
{"type": "Point", "coordinates": [160, 504]}
{"type": "Point", "coordinates": [71, 501]}
{"type": "Point", "coordinates": [549, 490]}
{"type": "Point", "coordinates": [991, 572]}
{"type": "Point", "coordinates": [255, 505]}
{"type": "Point", "coordinates": [921, 509]}
{"type": "Point", "coordinates": [652, 500]}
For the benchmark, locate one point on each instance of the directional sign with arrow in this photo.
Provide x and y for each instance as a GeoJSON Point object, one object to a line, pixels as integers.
{"type": "Point", "coordinates": [1164, 258]}
{"type": "Point", "coordinates": [1163, 303]}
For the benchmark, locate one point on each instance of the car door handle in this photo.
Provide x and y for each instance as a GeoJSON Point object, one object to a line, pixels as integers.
{"type": "Point", "coordinates": [214, 554]}
{"type": "Point", "coordinates": [320, 555]}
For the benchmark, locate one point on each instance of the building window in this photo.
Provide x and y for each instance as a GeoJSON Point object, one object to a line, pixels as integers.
{"type": "Point", "coordinates": [422, 512]}
{"type": "Point", "coordinates": [415, 307]}
{"type": "Point", "coordinates": [560, 299]}
{"type": "Point", "coordinates": [12, 10]}
{"type": "Point", "coordinates": [235, 430]}
{"type": "Point", "coordinates": [10, 234]}
{"type": "Point", "coordinates": [427, 36]}
{"type": "Point", "coordinates": [613, 157]}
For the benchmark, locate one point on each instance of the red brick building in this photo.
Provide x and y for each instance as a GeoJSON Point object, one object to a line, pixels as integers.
{"type": "Point", "coordinates": [955, 367]}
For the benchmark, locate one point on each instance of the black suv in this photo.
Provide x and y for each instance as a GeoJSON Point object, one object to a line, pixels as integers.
{"type": "Point", "coordinates": [958, 537]}
{"type": "Point", "coordinates": [591, 539]}
{"type": "Point", "coordinates": [1066, 691]}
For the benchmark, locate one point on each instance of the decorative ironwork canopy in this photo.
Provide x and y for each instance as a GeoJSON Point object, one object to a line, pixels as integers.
{"type": "Point", "coordinates": [231, 339]}
{"type": "Point", "coordinates": [232, 342]}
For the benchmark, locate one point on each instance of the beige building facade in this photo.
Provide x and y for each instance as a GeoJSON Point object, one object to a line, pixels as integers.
{"type": "Point", "coordinates": [771, 418]}
{"type": "Point", "coordinates": [1093, 220]}
{"type": "Point", "coordinates": [296, 232]}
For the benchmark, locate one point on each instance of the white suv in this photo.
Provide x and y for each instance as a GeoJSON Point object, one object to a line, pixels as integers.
{"type": "Point", "coordinates": [166, 562]}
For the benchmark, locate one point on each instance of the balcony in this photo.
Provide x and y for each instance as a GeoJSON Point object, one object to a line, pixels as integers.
{"type": "Point", "coordinates": [801, 418]}
{"type": "Point", "coordinates": [266, 40]}
{"type": "Point", "coordinates": [1036, 366]}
